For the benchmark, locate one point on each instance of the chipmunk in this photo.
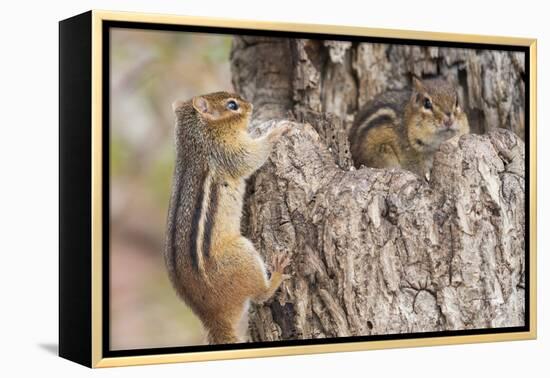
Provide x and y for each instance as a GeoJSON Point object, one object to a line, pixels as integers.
{"type": "Point", "coordinates": [404, 128]}
{"type": "Point", "coordinates": [211, 265]}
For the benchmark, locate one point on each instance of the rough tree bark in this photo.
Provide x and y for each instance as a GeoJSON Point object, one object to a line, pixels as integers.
{"type": "Point", "coordinates": [384, 251]}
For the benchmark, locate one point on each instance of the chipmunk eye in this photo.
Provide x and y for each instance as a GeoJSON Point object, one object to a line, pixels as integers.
{"type": "Point", "coordinates": [427, 103]}
{"type": "Point", "coordinates": [232, 105]}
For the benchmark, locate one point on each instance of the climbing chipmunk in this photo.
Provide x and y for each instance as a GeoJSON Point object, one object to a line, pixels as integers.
{"type": "Point", "coordinates": [211, 265]}
{"type": "Point", "coordinates": [404, 128]}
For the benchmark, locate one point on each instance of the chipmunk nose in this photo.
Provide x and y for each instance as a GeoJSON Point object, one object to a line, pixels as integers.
{"type": "Point", "coordinates": [448, 121]}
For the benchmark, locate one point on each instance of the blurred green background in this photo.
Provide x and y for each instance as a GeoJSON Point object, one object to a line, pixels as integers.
{"type": "Point", "coordinates": [150, 70]}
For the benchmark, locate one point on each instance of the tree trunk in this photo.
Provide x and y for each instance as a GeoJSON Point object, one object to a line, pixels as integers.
{"type": "Point", "coordinates": [384, 251]}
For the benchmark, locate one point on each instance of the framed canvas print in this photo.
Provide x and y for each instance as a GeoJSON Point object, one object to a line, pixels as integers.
{"type": "Point", "coordinates": [235, 189]}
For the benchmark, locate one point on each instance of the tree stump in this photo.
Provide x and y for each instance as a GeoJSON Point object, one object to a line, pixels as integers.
{"type": "Point", "coordinates": [384, 251]}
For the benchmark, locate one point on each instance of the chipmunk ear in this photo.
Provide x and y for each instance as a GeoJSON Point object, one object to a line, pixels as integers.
{"type": "Point", "coordinates": [201, 105]}
{"type": "Point", "coordinates": [417, 84]}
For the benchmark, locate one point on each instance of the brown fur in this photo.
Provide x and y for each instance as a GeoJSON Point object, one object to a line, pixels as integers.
{"type": "Point", "coordinates": [211, 265]}
{"type": "Point", "coordinates": [396, 130]}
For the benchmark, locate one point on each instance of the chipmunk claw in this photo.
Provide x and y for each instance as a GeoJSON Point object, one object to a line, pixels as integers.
{"type": "Point", "coordinates": [278, 131]}
{"type": "Point", "coordinates": [279, 262]}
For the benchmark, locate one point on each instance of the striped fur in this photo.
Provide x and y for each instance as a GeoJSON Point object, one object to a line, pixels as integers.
{"type": "Point", "coordinates": [384, 111]}
{"type": "Point", "coordinates": [210, 217]}
{"type": "Point", "coordinates": [186, 202]}
{"type": "Point", "coordinates": [378, 119]}
{"type": "Point", "coordinates": [202, 223]}
{"type": "Point", "coordinates": [390, 104]}
{"type": "Point", "coordinates": [194, 250]}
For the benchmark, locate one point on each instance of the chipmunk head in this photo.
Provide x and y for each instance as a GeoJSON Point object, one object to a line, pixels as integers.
{"type": "Point", "coordinates": [209, 120]}
{"type": "Point", "coordinates": [434, 114]}
{"type": "Point", "coordinates": [219, 111]}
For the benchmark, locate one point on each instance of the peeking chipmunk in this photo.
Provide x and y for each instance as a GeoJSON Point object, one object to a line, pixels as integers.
{"type": "Point", "coordinates": [212, 266]}
{"type": "Point", "coordinates": [404, 128]}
